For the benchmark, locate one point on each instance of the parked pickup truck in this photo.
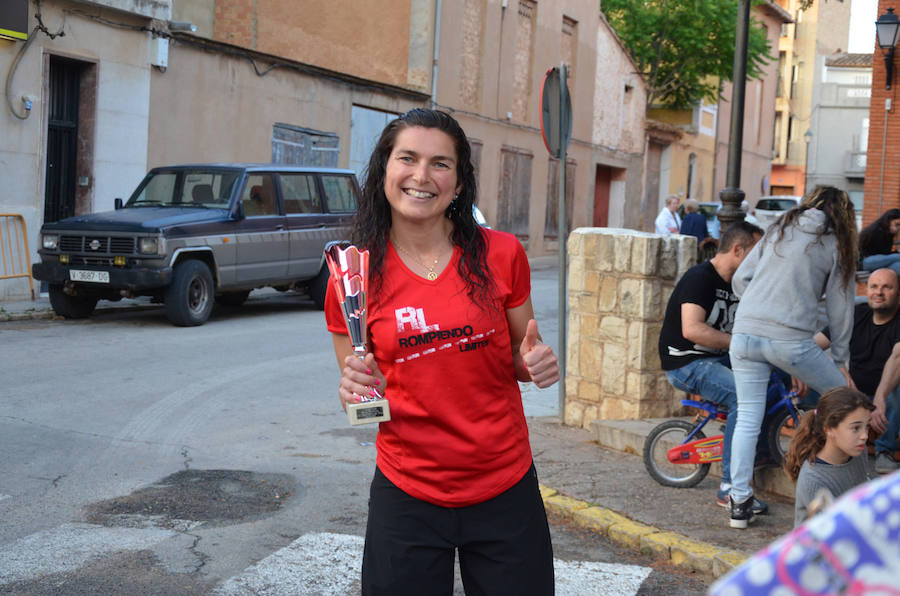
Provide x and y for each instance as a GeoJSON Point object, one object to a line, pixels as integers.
{"type": "Point", "coordinates": [192, 235]}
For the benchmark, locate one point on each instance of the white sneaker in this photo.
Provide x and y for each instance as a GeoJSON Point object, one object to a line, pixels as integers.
{"type": "Point", "coordinates": [885, 464]}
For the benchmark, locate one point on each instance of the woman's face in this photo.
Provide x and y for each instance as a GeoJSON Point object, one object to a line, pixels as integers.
{"type": "Point", "coordinates": [895, 226]}
{"type": "Point", "coordinates": [851, 434]}
{"type": "Point", "coordinates": [421, 177]}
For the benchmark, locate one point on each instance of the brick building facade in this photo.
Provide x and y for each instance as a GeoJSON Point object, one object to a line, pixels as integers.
{"type": "Point", "coordinates": [882, 186]}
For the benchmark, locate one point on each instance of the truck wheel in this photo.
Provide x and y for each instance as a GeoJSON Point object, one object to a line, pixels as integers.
{"type": "Point", "coordinates": [71, 307]}
{"type": "Point", "coordinates": [189, 299]}
{"type": "Point", "coordinates": [233, 298]}
{"type": "Point", "coordinates": [318, 287]}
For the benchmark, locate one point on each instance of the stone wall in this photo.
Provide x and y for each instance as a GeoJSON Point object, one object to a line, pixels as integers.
{"type": "Point", "coordinates": [619, 283]}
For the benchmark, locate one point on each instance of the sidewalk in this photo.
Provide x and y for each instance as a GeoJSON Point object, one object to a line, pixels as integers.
{"type": "Point", "coordinates": [610, 492]}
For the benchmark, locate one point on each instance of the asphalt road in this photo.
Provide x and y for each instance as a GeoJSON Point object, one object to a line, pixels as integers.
{"type": "Point", "coordinates": [143, 458]}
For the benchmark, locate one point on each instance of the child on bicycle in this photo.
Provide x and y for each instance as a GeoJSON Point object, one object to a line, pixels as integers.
{"type": "Point", "coordinates": [829, 449]}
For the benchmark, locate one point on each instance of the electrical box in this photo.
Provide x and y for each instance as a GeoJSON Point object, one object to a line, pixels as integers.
{"type": "Point", "coordinates": [159, 49]}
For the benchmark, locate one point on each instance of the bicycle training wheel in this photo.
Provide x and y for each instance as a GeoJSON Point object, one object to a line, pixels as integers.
{"type": "Point", "coordinates": [658, 442]}
{"type": "Point", "coordinates": [781, 431]}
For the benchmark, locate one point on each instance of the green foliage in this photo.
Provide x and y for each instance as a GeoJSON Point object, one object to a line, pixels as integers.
{"type": "Point", "coordinates": [685, 47]}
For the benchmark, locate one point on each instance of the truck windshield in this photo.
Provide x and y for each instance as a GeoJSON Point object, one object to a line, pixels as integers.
{"type": "Point", "coordinates": [185, 188]}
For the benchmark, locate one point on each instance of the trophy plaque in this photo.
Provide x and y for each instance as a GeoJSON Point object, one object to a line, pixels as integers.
{"type": "Point", "coordinates": [350, 275]}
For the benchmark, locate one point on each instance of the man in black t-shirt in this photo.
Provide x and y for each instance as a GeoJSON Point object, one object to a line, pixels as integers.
{"type": "Point", "coordinates": [696, 333]}
{"type": "Point", "coordinates": [875, 360]}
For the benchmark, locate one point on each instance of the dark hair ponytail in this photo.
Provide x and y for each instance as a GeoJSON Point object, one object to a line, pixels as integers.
{"type": "Point", "coordinates": [810, 437]}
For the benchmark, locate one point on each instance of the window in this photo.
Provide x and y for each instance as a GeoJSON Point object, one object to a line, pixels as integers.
{"type": "Point", "coordinates": [691, 176]}
{"type": "Point", "coordinates": [515, 190]}
{"type": "Point", "coordinates": [569, 50]}
{"type": "Point", "coordinates": [299, 194]}
{"type": "Point", "coordinates": [551, 219]}
{"type": "Point", "coordinates": [259, 196]}
{"type": "Point", "coordinates": [298, 146]}
{"type": "Point", "coordinates": [470, 61]}
{"type": "Point", "coordinates": [522, 67]}
{"type": "Point", "coordinates": [339, 195]}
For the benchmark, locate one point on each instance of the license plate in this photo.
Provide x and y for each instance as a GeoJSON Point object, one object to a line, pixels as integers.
{"type": "Point", "coordinates": [97, 277]}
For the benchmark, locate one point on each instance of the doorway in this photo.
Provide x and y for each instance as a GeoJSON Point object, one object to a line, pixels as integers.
{"type": "Point", "coordinates": [71, 92]}
{"type": "Point", "coordinates": [602, 183]}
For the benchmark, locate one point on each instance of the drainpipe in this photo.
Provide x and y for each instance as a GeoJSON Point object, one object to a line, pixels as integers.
{"type": "Point", "coordinates": [437, 48]}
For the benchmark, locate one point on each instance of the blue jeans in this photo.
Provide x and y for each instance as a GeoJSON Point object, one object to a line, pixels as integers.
{"type": "Point", "coordinates": [873, 262]}
{"type": "Point", "coordinates": [713, 380]}
{"type": "Point", "coordinates": [752, 359]}
{"type": "Point", "coordinates": [887, 442]}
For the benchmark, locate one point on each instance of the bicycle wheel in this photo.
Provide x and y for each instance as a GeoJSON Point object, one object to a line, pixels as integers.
{"type": "Point", "coordinates": [658, 442]}
{"type": "Point", "coordinates": [781, 431]}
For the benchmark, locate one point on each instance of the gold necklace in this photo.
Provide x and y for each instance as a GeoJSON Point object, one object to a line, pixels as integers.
{"type": "Point", "coordinates": [432, 274]}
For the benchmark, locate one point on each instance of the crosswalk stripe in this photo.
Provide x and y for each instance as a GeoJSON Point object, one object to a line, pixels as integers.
{"type": "Point", "coordinates": [325, 564]}
{"type": "Point", "coordinates": [68, 547]}
{"type": "Point", "coordinates": [328, 564]}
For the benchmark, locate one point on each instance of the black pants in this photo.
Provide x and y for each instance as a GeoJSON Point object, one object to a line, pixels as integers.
{"type": "Point", "coordinates": [504, 543]}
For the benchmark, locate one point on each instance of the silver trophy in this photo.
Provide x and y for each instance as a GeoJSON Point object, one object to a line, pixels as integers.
{"type": "Point", "coordinates": [350, 274]}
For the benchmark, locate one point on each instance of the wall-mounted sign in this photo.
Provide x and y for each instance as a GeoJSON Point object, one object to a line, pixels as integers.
{"type": "Point", "coordinates": [14, 19]}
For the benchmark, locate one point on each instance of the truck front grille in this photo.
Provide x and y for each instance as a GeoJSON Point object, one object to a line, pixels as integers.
{"type": "Point", "coordinates": [97, 245]}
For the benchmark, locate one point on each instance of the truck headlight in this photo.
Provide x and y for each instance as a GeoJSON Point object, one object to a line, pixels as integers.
{"type": "Point", "coordinates": [148, 246]}
{"type": "Point", "coordinates": [50, 241]}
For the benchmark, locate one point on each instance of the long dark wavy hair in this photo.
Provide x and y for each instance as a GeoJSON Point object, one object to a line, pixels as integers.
{"type": "Point", "coordinates": [810, 437]}
{"type": "Point", "coordinates": [840, 220]}
{"type": "Point", "coordinates": [372, 225]}
{"type": "Point", "coordinates": [881, 227]}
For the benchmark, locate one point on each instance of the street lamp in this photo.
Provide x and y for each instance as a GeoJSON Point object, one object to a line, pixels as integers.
{"type": "Point", "coordinates": [886, 28]}
{"type": "Point", "coordinates": [732, 196]}
{"type": "Point", "coordinates": [807, 136]}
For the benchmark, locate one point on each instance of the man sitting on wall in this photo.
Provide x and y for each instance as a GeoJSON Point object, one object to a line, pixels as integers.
{"type": "Point", "coordinates": [875, 360]}
{"type": "Point", "coordinates": [696, 333]}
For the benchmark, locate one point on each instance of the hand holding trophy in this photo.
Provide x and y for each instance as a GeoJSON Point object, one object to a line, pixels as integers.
{"type": "Point", "coordinates": [350, 275]}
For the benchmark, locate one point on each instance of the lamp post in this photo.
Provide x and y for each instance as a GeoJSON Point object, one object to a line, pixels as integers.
{"type": "Point", "coordinates": [886, 27]}
{"type": "Point", "coordinates": [731, 196]}
{"type": "Point", "coordinates": [807, 136]}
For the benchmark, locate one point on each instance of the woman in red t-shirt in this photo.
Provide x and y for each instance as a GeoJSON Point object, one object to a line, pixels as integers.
{"type": "Point", "coordinates": [451, 332]}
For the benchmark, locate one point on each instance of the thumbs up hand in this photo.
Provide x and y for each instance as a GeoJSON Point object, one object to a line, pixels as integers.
{"type": "Point", "coordinates": [538, 357]}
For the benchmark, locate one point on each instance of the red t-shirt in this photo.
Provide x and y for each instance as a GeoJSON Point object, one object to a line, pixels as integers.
{"type": "Point", "coordinates": [457, 434]}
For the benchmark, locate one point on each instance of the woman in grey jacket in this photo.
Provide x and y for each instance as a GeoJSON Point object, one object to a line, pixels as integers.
{"type": "Point", "coordinates": [810, 251]}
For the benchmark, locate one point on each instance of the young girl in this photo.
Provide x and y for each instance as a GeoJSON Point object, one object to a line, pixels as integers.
{"type": "Point", "coordinates": [829, 450]}
{"type": "Point", "coordinates": [809, 251]}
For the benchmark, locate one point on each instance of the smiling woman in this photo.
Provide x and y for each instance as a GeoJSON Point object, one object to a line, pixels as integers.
{"type": "Point", "coordinates": [450, 308]}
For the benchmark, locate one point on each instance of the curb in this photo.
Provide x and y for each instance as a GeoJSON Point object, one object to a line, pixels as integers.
{"type": "Point", "coordinates": [678, 549]}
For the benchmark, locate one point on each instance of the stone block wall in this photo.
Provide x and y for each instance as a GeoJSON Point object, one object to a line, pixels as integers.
{"type": "Point", "coordinates": [618, 286]}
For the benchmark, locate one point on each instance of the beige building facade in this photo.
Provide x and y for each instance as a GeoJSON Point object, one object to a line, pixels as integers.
{"type": "Point", "coordinates": [486, 68]}
{"type": "Point", "coordinates": [173, 81]}
{"type": "Point", "coordinates": [75, 132]}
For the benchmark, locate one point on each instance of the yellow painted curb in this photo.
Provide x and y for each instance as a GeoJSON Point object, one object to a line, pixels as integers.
{"type": "Point", "coordinates": [598, 519]}
{"type": "Point", "coordinates": [629, 533]}
{"type": "Point", "coordinates": [694, 555]}
{"type": "Point", "coordinates": [563, 505]}
{"type": "Point", "coordinates": [725, 561]}
{"type": "Point", "coordinates": [679, 549]}
{"type": "Point", "coordinates": [547, 492]}
{"type": "Point", "coordinates": [660, 543]}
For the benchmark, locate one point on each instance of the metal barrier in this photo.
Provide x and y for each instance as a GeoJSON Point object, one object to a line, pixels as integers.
{"type": "Point", "coordinates": [15, 260]}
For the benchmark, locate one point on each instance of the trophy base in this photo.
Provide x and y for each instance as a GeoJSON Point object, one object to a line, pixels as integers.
{"type": "Point", "coordinates": [369, 411]}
